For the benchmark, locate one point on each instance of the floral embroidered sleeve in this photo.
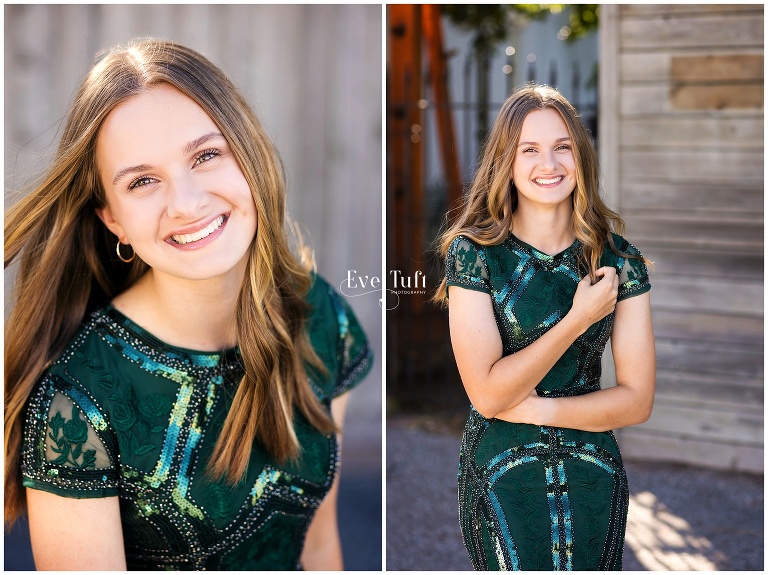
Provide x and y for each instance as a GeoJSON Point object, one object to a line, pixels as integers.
{"type": "Point", "coordinates": [633, 276]}
{"type": "Point", "coordinates": [65, 449]}
{"type": "Point", "coordinates": [465, 265]}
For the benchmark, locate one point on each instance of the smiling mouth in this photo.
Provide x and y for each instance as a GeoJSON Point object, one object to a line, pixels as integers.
{"type": "Point", "coordinates": [183, 239]}
{"type": "Point", "coordinates": [549, 181]}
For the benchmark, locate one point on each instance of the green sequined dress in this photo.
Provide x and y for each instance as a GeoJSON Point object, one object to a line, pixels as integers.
{"type": "Point", "coordinates": [122, 413]}
{"type": "Point", "coordinates": [534, 497]}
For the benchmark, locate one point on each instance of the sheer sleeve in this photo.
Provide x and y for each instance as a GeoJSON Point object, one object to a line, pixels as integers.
{"type": "Point", "coordinates": [633, 276]}
{"type": "Point", "coordinates": [66, 450]}
{"type": "Point", "coordinates": [465, 265]}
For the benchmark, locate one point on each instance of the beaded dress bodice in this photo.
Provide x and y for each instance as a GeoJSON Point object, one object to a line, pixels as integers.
{"type": "Point", "coordinates": [122, 413]}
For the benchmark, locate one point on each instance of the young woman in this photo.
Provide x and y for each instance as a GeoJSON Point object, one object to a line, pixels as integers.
{"type": "Point", "coordinates": [538, 282]}
{"type": "Point", "coordinates": [174, 375]}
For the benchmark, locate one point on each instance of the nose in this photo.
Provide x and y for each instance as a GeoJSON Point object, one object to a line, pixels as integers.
{"type": "Point", "coordinates": [548, 160]}
{"type": "Point", "coordinates": [187, 199]}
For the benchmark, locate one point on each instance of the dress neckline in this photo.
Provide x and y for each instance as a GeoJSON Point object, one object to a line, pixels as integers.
{"type": "Point", "coordinates": [226, 356]}
{"type": "Point", "coordinates": [528, 248]}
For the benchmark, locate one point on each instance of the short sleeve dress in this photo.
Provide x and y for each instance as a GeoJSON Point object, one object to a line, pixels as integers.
{"type": "Point", "coordinates": [534, 497]}
{"type": "Point", "coordinates": [121, 413]}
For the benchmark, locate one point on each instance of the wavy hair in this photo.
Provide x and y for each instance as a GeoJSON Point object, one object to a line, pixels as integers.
{"type": "Point", "coordinates": [485, 213]}
{"type": "Point", "coordinates": [67, 268]}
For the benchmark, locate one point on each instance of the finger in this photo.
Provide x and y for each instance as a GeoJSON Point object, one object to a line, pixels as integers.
{"type": "Point", "coordinates": [608, 271]}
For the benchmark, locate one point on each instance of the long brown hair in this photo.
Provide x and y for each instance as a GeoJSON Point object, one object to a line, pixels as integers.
{"type": "Point", "coordinates": [67, 267]}
{"type": "Point", "coordinates": [485, 213]}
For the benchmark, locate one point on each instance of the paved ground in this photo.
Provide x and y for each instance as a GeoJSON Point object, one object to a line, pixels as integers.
{"type": "Point", "coordinates": [680, 518]}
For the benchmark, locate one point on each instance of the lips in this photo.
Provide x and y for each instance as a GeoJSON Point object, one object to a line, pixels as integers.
{"type": "Point", "coordinates": [199, 234]}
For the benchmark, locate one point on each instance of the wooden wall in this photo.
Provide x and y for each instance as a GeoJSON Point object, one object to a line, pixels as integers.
{"type": "Point", "coordinates": [682, 155]}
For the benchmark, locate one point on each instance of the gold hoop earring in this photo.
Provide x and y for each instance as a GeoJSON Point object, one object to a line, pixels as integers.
{"type": "Point", "coordinates": [120, 255]}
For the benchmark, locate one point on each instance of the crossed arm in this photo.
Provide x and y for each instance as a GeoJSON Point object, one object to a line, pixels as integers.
{"type": "Point", "coordinates": [504, 387]}
{"type": "Point", "coordinates": [86, 534]}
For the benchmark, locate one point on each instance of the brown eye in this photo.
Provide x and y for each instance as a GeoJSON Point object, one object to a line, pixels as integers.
{"type": "Point", "coordinates": [140, 182]}
{"type": "Point", "coordinates": [206, 156]}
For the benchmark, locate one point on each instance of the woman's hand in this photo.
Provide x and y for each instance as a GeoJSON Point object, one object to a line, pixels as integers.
{"type": "Point", "coordinates": [593, 302]}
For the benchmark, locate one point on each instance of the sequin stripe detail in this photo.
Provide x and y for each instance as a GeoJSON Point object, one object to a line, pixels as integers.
{"type": "Point", "coordinates": [470, 491]}
{"type": "Point", "coordinates": [520, 278]}
{"type": "Point", "coordinates": [147, 363]}
{"type": "Point", "coordinates": [130, 336]}
{"type": "Point", "coordinates": [194, 436]}
{"type": "Point", "coordinates": [513, 458]}
{"type": "Point", "coordinates": [563, 269]}
{"type": "Point", "coordinates": [560, 517]}
{"type": "Point", "coordinates": [355, 371]}
{"type": "Point", "coordinates": [172, 434]}
{"type": "Point", "coordinates": [271, 492]}
{"type": "Point", "coordinates": [613, 548]}
{"type": "Point", "coordinates": [506, 554]}
{"type": "Point", "coordinates": [88, 407]}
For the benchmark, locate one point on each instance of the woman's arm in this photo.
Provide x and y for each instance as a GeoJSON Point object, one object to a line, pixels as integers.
{"type": "Point", "coordinates": [629, 403]}
{"type": "Point", "coordinates": [322, 547]}
{"type": "Point", "coordinates": [494, 383]}
{"type": "Point", "coordinates": [75, 534]}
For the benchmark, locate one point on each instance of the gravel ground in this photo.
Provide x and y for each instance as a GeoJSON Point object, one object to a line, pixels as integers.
{"type": "Point", "coordinates": [681, 518]}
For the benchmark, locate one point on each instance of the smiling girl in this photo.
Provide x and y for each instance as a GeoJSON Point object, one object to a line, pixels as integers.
{"type": "Point", "coordinates": [539, 280]}
{"type": "Point", "coordinates": [175, 377]}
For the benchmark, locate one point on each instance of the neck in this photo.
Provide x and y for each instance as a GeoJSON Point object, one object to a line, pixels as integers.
{"type": "Point", "coordinates": [199, 314]}
{"type": "Point", "coordinates": [548, 229]}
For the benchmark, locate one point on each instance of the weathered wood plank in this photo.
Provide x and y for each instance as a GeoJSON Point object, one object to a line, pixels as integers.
{"type": "Point", "coordinates": [645, 10]}
{"type": "Point", "coordinates": [715, 359]}
{"type": "Point", "coordinates": [655, 33]}
{"type": "Point", "coordinates": [726, 166]}
{"type": "Point", "coordinates": [719, 424]}
{"type": "Point", "coordinates": [657, 66]}
{"type": "Point", "coordinates": [712, 392]}
{"type": "Point", "coordinates": [747, 95]}
{"type": "Point", "coordinates": [697, 264]}
{"type": "Point", "coordinates": [711, 327]}
{"type": "Point", "coordinates": [696, 232]}
{"type": "Point", "coordinates": [652, 99]}
{"type": "Point", "coordinates": [746, 132]}
{"type": "Point", "coordinates": [693, 197]}
{"type": "Point", "coordinates": [711, 296]}
{"type": "Point", "coordinates": [716, 67]}
{"type": "Point", "coordinates": [640, 444]}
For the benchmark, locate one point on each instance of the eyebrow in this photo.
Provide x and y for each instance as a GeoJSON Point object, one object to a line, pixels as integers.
{"type": "Point", "coordinates": [197, 142]}
{"type": "Point", "coordinates": [536, 143]}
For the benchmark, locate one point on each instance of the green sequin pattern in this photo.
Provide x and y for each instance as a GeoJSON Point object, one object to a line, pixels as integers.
{"type": "Point", "coordinates": [120, 413]}
{"type": "Point", "coordinates": [531, 497]}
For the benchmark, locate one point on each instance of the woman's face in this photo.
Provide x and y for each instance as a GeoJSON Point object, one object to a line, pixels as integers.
{"type": "Point", "coordinates": [174, 189]}
{"type": "Point", "coordinates": [544, 169]}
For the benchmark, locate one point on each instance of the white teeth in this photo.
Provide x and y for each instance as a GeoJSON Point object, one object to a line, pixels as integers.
{"type": "Point", "coordinates": [548, 181]}
{"type": "Point", "coordinates": [208, 230]}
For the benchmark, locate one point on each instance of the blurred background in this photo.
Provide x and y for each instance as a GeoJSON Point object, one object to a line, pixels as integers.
{"type": "Point", "coordinates": [673, 95]}
{"type": "Point", "coordinates": [313, 76]}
